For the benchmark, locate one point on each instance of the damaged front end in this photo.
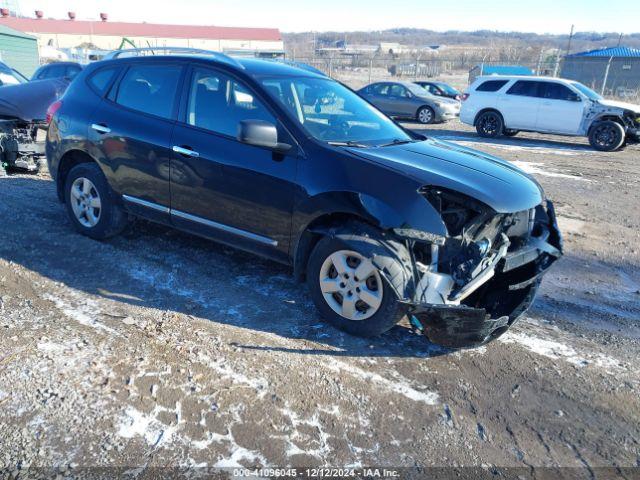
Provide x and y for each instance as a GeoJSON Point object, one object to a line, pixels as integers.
{"type": "Point", "coordinates": [23, 111]}
{"type": "Point", "coordinates": [471, 286]}
{"type": "Point", "coordinates": [22, 145]}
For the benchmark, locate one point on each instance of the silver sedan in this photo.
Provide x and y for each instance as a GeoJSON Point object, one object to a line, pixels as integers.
{"type": "Point", "coordinates": [410, 101]}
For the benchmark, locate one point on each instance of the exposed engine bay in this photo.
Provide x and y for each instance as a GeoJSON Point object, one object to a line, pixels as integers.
{"type": "Point", "coordinates": [468, 288]}
{"type": "Point", "coordinates": [485, 275]}
{"type": "Point", "coordinates": [22, 144]}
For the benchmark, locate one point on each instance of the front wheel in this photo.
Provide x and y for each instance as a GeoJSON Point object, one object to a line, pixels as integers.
{"type": "Point", "coordinates": [607, 136]}
{"type": "Point", "coordinates": [426, 115]}
{"type": "Point", "coordinates": [350, 292]}
{"type": "Point", "coordinates": [489, 124]}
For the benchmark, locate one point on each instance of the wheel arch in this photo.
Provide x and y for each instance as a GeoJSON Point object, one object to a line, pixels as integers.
{"type": "Point", "coordinates": [315, 230]}
{"type": "Point", "coordinates": [425, 105]}
{"type": "Point", "coordinates": [607, 117]}
{"type": "Point", "coordinates": [69, 160]}
{"type": "Point", "coordinates": [486, 110]}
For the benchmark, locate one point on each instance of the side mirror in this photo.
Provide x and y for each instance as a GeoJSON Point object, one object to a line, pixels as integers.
{"type": "Point", "coordinates": [574, 97]}
{"type": "Point", "coordinates": [261, 134]}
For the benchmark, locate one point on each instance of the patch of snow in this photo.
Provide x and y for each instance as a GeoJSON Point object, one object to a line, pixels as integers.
{"type": "Point", "coordinates": [83, 310]}
{"type": "Point", "coordinates": [536, 169]}
{"type": "Point", "coordinates": [517, 145]}
{"type": "Point", "coordinates": [400, 387]}
{"type": "Point", "coordinates": [556, 350]}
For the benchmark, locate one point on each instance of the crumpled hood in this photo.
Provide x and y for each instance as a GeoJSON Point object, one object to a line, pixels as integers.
{"type": "Point", "coordinates": [495, 182]}
{"type": "Point", "coordinates": [622, 105]}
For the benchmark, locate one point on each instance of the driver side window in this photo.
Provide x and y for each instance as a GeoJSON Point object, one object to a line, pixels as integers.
{"type": "Point", "coordinates": [219, 103]}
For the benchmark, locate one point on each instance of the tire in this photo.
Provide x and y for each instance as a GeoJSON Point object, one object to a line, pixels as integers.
{"type": "Point", "coordinates": [98, 222]}
{"type": "Point", "coordinates": [607, 136]}
{"type": "Point", "coordinates": [489, 124]}
{"type": "Point", "coordinates": [368, 243]}
{"type": "Point", "coordinates": [425, 115]}
{"type": "Point", "coordinates": [510, 133]}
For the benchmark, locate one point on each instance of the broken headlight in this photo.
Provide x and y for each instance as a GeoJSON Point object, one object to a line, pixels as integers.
{"type": "Point", "coordinates": [457, 210]}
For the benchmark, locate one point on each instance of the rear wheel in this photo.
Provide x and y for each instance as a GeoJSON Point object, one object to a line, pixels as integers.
{"type": "Point", "coordinates": [90, 204]}
{"type": "Point", "coordinates": [426, 115]}
{"type": "Point", "coordinates": [489, 124]}
{"type": "Point", "coordinates": [607, 136]}
{"type": "Point", "coordinates": [350, 292]}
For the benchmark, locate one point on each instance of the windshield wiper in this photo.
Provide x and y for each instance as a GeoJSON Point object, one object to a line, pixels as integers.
{"type": "Point", "coordinates": [398, 141]}
{"type": "Point", "coordinates": [348, 143]}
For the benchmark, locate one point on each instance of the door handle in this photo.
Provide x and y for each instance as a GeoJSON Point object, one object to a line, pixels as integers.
{"type": "Point", "coordinates": [186, 151]}
{"type": "Point", "coordinates": [100, 128]}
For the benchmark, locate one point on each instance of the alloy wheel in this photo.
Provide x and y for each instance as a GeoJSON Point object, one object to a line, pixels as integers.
{"type": "Point", "coordinates": [605, 136]}
{"type": "Point", "coordinates": [425, 115]}
{"type": "Point", "coordinates": [489, 123]}
{"type": "Point", "coordinates": [351, 285]}
{"type": "Point", "coordinates": [85, 202]}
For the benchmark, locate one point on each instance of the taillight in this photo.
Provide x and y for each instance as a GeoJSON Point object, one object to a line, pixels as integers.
{"type": "Point", "coordinates": [465, 96]}
{"type": "Point", "coordinates": [51, 111]}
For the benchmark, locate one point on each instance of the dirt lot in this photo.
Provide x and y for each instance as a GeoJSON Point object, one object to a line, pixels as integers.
{"type": "Point", "coordinates": [162, 349]}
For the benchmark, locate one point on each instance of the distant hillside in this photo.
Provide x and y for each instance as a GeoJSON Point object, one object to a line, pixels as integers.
{"type": "Point", "coordinates": [481, 39]}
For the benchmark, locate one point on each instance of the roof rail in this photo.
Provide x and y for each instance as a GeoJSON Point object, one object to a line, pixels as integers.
{"type": "Point", "coordinates": [149, 51]}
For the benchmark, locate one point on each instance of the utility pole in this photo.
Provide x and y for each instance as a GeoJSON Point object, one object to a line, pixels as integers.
{"type": "Point", "coordinates": [620, 39]}
{"type": "Point", "coordinates": [570, 38]}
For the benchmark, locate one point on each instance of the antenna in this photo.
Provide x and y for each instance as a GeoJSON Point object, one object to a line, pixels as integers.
{"type": "Point", "coordinates": [569, 44]}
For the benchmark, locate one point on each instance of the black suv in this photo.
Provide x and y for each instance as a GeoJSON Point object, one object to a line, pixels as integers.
{"type": "Point", "coordinates": [282, 161]}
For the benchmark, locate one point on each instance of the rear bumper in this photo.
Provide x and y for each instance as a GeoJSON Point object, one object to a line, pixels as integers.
{"type": "Point", "coordinates": [492, 309]}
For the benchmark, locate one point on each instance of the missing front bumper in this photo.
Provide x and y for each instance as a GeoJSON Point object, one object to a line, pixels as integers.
{"type": "Point", "coordinates": [459, 326]}
{"type": "Point", "coordinates": [498, 303]}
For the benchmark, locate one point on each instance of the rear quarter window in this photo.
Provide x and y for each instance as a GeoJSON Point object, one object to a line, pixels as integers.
{"type": "Point", "coordinates": [491, 85]}
{"type": "Point", "coordinates": [99, 81]}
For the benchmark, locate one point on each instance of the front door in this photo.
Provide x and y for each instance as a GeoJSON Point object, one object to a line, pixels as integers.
{"type": "Point", "coordinates": [561, 109]}
{"type": "Point", "coordinates": [236, 193]}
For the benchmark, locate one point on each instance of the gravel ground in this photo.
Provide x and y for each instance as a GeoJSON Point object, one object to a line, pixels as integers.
{"type": "Point", "coordinates": [162, 349]}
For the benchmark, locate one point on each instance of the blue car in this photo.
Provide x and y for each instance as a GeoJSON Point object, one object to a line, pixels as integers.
{"type": "Point", "coordinates": [284, 162]}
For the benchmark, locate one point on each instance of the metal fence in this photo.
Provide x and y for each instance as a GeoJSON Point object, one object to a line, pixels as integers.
{"type": "Point", "coordinates": [358, 71]}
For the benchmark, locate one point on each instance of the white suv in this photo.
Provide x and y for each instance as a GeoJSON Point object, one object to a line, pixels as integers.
{"type": "Point", "coordinates": [505, 105]}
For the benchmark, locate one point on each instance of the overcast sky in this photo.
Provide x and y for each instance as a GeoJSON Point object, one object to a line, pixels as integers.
{"type": "Point", "coordinates": [540, 16]}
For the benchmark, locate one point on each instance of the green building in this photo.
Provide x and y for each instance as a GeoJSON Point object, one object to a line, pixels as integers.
{"type": "Point", "coordinates": [19, 50]}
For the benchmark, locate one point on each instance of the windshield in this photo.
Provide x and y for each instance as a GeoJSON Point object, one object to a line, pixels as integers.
{"type": "Point", "coordinates": [587, 91]}
{"type": "Point", "coordinates": [448, 89]}
{"type": "Point", "coordinates": [332, 113]}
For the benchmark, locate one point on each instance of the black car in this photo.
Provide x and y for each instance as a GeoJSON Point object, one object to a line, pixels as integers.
{"type": "Point", "coordinates": [440, 89]}
{"type": "Point", "coordinates": [289, 164]}
{"type": "Point", "coordinates": [57, 70]}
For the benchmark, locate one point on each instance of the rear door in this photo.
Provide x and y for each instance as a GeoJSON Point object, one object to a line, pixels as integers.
{"type": "Point", "coordinates": [561, 109]}
{"type": "Point", "coordinates": [131, 131]}
{"type": "Point", "coordinates": [520, 104]}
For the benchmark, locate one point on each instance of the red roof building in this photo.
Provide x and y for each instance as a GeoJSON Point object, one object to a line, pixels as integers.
{"type": "Point", "coordinates": [108, 35]}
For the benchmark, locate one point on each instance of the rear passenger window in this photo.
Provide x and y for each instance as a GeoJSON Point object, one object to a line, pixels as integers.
{"type": "Point", "coordinates": [524, 88]}
{"type": "Point", "coordinates": [100, 80]}
{"type": "Point", "coordinates": [150, 89]}
{"type": "Point", "coordinates": [491, 85]}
